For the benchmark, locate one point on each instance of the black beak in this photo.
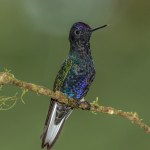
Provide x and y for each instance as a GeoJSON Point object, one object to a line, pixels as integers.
{"type": "Point", "coordinates": [99, 27]}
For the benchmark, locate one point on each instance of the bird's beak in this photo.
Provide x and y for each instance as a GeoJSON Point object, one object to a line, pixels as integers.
{"type": "Point", "coordinates": [99, 28]}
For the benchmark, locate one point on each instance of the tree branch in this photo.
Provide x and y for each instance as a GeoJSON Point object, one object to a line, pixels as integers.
{"type": "Point", "coordinates": [8, 78]}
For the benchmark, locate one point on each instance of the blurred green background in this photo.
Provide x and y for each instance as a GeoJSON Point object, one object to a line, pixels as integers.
{"type": "Point", "coordinates": [34, 43]}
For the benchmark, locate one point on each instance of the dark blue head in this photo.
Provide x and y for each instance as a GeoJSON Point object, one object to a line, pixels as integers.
{"type": "Point", "coordinates": [80, 33]}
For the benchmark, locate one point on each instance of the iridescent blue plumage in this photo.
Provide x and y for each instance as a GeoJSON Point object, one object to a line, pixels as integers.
{"type": "Point", "coordinates": [79, 78]}
{"type": "Point", "coordinates": [73, 79]}
{"type": "Point", "coordinates": [82, 71]}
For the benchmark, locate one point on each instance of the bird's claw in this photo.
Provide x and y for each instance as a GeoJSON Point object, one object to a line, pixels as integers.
{"type": "Point", "coordinates": [86, 105]}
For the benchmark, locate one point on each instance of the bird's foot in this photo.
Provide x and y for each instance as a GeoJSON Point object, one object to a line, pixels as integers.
{"type": "Point", "coordinates": [85, 104]}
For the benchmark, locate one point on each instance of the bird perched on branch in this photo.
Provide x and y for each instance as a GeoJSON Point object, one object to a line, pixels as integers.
{"type": "Point", "coordinates": [73, 79]}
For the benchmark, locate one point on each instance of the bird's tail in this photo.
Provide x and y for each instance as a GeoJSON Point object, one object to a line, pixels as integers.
{"type": "Point", "coordinates": [56, 117]}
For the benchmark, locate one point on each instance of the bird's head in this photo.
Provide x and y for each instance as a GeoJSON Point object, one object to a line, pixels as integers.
{"type": "Point", "coordinates": [80, 33]}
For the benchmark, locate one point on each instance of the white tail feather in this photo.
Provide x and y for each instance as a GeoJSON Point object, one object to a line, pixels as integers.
{"type": "Point", "coordinates": [53, 129]}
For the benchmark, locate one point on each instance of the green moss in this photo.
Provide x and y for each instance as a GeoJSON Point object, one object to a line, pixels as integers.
{"type": "Point", "coordinates": [95, 103]}
{"type": "Point", "coordinates": [24, 91]}
{"type": "Point", "coordinates": [7, 103]}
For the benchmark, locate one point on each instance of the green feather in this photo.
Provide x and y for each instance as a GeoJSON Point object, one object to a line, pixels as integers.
{"type": "Point", "coordinates": [62, 74]}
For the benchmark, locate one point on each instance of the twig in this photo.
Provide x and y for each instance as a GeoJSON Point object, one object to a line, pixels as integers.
{"type": "Point", "coordinates": [8, 78]}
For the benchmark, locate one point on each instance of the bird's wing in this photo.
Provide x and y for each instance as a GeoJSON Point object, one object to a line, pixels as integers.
{"type": "Point", "coordinates": [62, 74]}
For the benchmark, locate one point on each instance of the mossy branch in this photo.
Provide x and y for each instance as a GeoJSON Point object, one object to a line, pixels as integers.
{"type": "Point", "coordinates": [8, 78]}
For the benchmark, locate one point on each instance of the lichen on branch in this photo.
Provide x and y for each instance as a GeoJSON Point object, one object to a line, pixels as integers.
{"type": "Point", "coordinates": [8, 78]}
{"type": "Point", "coordinates": [7, 103]}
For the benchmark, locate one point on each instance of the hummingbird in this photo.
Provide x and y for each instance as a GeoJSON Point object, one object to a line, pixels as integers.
{"type": "Point", "coordinates": [73, 79]}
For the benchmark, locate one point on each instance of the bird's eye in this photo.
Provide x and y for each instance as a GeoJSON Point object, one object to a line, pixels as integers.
{"type": "Point", "coordinates": [77, 32]}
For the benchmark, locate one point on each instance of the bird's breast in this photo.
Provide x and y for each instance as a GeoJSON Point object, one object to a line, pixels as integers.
{"type": "Point", "coordinates": [79, 79]}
